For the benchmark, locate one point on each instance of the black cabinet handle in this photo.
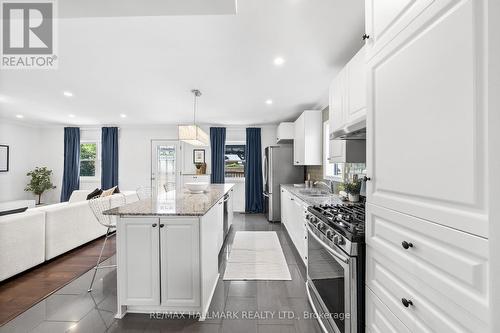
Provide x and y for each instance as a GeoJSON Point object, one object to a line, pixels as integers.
{"type": "Point", "coordinates": [366, 178]}
{"type": "Point", "coordinates": [406, 302]}
{"type": "Point", "coordinates": [154, 225]}
{"type": "Point", "coordinates": [162, 225]}
{"type": "Point", "coordinates": [406, 245]}
{"type": "Point", "coordinates": [365, 36]}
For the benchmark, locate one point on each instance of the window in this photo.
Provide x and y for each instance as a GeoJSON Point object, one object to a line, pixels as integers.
{"type": "Point", "coordinates": [330, 170]}
{"type": "Point", "coordinates": [89, 160]}
{"type": "Point", "coordinates": [235, 161]}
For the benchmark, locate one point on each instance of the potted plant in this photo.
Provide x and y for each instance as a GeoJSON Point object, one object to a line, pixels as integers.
{"type": "Point", "coordinates": [352, 189]}
{"type": "Point", "coordinates": [40, 182]}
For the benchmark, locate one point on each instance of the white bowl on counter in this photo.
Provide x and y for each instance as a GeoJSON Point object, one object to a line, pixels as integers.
{"type": "Point", "coordinates": [196, 187]}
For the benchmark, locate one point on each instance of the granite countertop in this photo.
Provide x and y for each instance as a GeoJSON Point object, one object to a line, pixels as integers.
{"type": "Point", "coordinates": [182, 203]}
{"type": "Point", "coordinates": [331, 199]}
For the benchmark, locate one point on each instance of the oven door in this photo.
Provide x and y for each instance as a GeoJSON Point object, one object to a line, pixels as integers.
{"type": "Point", "coordinates": [331, 278]}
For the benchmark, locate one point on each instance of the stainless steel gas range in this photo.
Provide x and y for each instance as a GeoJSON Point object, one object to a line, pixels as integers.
{"type": "Point", "coordinates": [336, 266]}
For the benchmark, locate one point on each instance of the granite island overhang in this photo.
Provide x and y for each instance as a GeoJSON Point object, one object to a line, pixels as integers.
{"type": "Point", "coordinates": [167, 251]}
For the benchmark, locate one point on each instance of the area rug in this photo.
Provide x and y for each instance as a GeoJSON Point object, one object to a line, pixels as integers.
{"type": "Point", "coordinates": [256, 255]}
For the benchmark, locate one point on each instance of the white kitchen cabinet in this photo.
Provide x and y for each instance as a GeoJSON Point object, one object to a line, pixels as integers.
{"type": "Point", "coordinates": [348, 92]}
{"type": "Point", "coordinates": [292, 217]}
{"type": "Point", "coordinates": [426, 151]}
{"type": "Point", "coordinates": [307, 144]}
{"type": "Point", "coordinates": [180, 262]}
{"type": "Point", "coordinates": [347, 151]}
{"type": "Point", "coordinates": [230, 209]}
{"type": "Point", "coordinates": [140, 260]}
{"type": "Point", "coordinates": [285, 132]}
{"type": "Point", "coordinates": [379, 318]}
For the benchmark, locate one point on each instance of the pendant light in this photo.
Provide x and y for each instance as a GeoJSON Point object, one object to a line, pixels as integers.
{"type": "Point", "coordinates": [193, 134]}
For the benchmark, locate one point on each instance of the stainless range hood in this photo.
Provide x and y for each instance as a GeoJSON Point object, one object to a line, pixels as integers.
{"type": "Point", "coordinates": [353, 131]}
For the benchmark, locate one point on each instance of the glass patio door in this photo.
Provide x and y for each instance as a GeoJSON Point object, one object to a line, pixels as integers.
{"type": "Point", "coordinates": [165, 168]}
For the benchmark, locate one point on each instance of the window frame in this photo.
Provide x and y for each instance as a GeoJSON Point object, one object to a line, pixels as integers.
{"type": "Point", "coordinates": [326, 149]}
{"type": "Point", "coordinates": [234, 143]}
{"type": "Point", "coordinates": [97, 176]}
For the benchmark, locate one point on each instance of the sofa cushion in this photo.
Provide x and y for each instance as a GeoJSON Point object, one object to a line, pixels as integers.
{"type": "Point", "coordinates": [94, 194]}
{"type": "Point", "coordinates": [13, 211]}
{"type": "Point", "coordinates": [79, 195]}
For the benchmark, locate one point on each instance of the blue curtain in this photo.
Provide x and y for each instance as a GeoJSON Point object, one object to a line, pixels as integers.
{"type": "Point", "coordinates": [71, 173]}
{"type": "Point", "coordinates": [218, 146]}
{"type": "Point", "coordinates": [109, 157]}
{"type": "Point", "coordinates": [254, 202]}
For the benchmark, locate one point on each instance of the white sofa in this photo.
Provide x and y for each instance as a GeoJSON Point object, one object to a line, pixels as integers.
{"type": "Point", "coordinates": [22, 242]}
{"type": "Point", "coordinates": [42, 233]}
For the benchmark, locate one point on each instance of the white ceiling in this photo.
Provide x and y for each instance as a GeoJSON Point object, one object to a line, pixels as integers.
{"type": "Point", "coordinates": [145, 67]}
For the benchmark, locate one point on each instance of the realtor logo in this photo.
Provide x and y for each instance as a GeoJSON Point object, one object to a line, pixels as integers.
{"type": "Point", "coordinates": [28, 30]}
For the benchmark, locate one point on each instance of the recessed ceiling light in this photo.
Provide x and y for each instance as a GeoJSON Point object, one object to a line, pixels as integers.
{"type": "Point", "coordinates": [278, 61]}
{"type": "Point", "coordinates": [68, 94]}
{"type": "Point", "coordinates": [123, 115]}
{"type": "Point", "coordinates": [71, 115]}
{"type": "Point", "coordinates": [19, 116]}
{"type": "Point", "coordinates": [269, 101]}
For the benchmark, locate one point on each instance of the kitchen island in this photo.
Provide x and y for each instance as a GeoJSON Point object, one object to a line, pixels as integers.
{"type": "Point", "coordinates": [167, 251]}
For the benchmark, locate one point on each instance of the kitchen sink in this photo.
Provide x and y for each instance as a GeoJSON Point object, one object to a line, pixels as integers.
{"type": "Point", "coordinates": [315, 193]}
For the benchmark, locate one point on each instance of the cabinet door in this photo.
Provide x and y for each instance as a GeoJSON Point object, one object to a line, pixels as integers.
{"type": "Point", "coordinates": [284, 203]}
{"type": "Point", "coordinates": [337, 151]}
{"type": "Point", "coordinates": [384, 19]}
{"type": "Point", "coordinates": [356, 87]}
{"type": "Point", "coordinates": [180, 262]}
{"type": "Point", "coordinates": [337, 93]}
{"type": "Point", "coordinates": [299, 141]}
{"type": "Point", "coordinates": [379, 319]}
{"type": "Point", "coordinates": [230, 209]}
{"type": "Point", "coordinates": [219, 216]}
{"type": "Point", "coordinates": [139, 260]}
{"type": "Point", "coordinates": [426, 119]}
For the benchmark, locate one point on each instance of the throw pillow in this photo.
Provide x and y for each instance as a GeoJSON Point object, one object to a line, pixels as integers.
{"type": "Point", "coordinates": [117, 190]}
{"type": "Point", "coordinates": [13, 211]}
{"type": "Point", "coordinates": [108, 192]}
{"type": "Point", "coordinates": [94, 194]}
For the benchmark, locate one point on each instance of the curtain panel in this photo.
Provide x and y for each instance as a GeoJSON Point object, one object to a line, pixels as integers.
{"type": "Point", "coordinates": [109, 157]}
{"type": "Point", "coordinates": [218, 146]}
{"type": "Point", "coordinates": [71, 172]}
{"type": "Point", "coordinates": [254, 202]}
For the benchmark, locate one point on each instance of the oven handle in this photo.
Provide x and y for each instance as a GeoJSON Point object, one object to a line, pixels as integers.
{"type": "Point", "coordinates": [320, 322]}
{"type": "Point", "coordinates": [333, 253]}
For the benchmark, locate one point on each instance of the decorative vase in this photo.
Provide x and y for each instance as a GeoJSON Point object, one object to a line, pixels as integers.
{"type": "Point", "coordinates": [353, 197]}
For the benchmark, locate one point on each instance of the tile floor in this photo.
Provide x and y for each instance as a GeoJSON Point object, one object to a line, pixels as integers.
{"type": "Point", "coordinates": [72, 309]}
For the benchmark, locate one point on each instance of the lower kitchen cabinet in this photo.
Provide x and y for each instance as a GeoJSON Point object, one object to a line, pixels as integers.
{"type": "Point", "coordinates": [179, 262]}
{"type": "Point", "coordinates": [379, 318]}
{"type": "Point", "coordinates": [140, 242]}
{"type": "Point", "coordinates": [292, 217]}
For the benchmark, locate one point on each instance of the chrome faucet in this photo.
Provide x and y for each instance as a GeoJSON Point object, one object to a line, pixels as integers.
{"type": "Point", "coordinates": [329, 186]}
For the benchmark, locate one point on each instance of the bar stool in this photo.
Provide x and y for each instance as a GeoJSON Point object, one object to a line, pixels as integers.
{"type": "Point", "coordinates": [98, 206]}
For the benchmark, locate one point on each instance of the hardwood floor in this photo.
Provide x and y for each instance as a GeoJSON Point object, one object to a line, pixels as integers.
{"type": "Point", "coordinates": [19, 293]}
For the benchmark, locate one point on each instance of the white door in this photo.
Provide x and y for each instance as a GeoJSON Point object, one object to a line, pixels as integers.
{"type": "Point", "coordinates": [165, 168]}
{"type": "Point", "coordinates": [426, 123]}
{"type": "Point", "coordinates": [139, 258]}
{"type": "Point", "coordinates": [180, 262]}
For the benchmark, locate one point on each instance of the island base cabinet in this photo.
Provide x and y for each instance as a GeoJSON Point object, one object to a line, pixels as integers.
{"type": "Point", "coordinates": [138, 260]}
{"type": "Point", "coordinates": [179, 262]}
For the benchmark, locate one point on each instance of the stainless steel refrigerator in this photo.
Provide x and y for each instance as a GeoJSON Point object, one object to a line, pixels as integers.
{"type": "Point", "coordinates": [278, 169]}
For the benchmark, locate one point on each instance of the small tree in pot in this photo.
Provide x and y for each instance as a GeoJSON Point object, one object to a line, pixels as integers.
{"type": "Point", "coordinates": [40, 182]}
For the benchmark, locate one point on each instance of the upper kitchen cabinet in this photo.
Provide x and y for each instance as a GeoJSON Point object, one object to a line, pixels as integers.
{"type": "Point", "coordinates": [427, 115]}
{"type": "Point", "coordinates": [384, 19]}
{"type": "Point", "coordinates": [307, 144]}
{"type": "Point", "coordinates": [348, 98]}
{"type": "Point", "coordinates": [285, 132]}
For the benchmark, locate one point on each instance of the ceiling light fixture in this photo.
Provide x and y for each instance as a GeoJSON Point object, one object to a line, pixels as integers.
{"type": "Point", "coordinates": [71, 115]}
{"type": "Point", "coordinates": [122, 115]}
{"type": "Point", "coordinates": [279, 61]}
{"type": "Point", "coordinates": [193, 134]}
{"type": "Point", "coordinates": [269, 101]}
{"type": "Point", "coordinates": [68, 94]}
{"type": "Point", "coordinates": [19, 116]}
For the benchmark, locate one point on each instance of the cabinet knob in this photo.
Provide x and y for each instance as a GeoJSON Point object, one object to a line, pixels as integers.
{"type": "Point", "coordinates": [154, 225]}
{"type": "Point", "coordinates": [365, 36]}
{"type": "Point", "coordinates": [291, 199]}
{"type": "Point", "coordinates": [406, 302]}
{"type": "Point", "coordinates": [406, 245]}
{"type": "Point", "coordinates": [366, 178]}
{"type": "Point", "coordinates": [162, 225]}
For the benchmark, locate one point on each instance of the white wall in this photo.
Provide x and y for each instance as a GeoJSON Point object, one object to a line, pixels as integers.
{"type": "Point", "coordinates": [30, 146]}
